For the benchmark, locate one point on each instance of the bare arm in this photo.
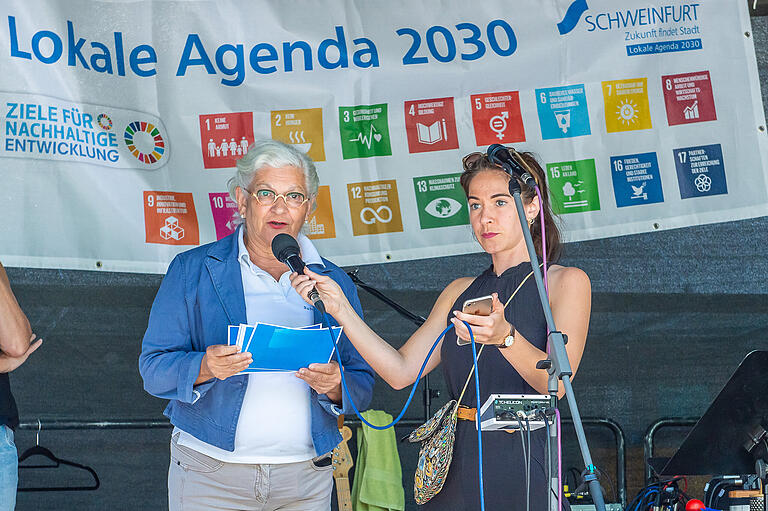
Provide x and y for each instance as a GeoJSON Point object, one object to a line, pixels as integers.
{"type": "Point", "coordinates": [571, 300]}
{"type": "Point", "coordinates": [15, 331]}
{"type": "Point", "coordinates": [398, 368]}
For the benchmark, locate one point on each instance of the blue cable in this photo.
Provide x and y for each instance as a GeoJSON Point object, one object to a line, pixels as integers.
{"type": "Point", "coordinates": [477, 418]}
{"type": "Point", "coordinates": [644, 497]}
{"type": "Point", "coordinates": [413, 391]}
{"type": "Point", "coordinates": [635, 502]}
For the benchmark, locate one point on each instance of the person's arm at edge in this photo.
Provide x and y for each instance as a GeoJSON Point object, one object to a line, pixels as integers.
{"type": "Point", "coordinates": [15, 330]}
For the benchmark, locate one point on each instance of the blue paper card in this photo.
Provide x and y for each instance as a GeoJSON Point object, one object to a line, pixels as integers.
{"type": "Point", "coordinates": [284, 349]}
{"type": "Point", "coordinates": [244, 336]}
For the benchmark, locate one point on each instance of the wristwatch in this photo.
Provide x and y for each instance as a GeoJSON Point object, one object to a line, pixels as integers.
{"type": "Point", "coordinates": [509, 340]}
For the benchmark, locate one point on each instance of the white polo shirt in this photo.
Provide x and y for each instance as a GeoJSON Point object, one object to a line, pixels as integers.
{"type": "Point", "coordinates": [274, 424]}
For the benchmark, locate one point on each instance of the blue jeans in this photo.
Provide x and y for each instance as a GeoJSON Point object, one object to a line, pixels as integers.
{"type": "Point", "coordinates": [9, 472]}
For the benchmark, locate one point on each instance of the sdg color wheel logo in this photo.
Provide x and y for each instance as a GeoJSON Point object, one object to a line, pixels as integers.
{"type": "Point", "coordinates": [105, 122]}
{"type": "Point", "coordinates": [144, 141]}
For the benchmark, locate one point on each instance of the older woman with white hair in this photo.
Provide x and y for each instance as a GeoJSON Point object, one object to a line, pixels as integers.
{"type": "Point", "coordinates": [262, 440]}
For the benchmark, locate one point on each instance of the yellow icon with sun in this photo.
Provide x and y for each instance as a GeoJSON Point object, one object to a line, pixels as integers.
{"type": "Point", "coordinates": [627, 112]}
{"type": "Point", "coordinates": [626, 105]}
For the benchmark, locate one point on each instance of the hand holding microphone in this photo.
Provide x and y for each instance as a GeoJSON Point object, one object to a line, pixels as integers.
{"type": "Point", "coordinates": [333, 298]}
{"type": "Point", "coordinates": [286, 249]}
{"type": "Point", "coordinates": [306, 282]}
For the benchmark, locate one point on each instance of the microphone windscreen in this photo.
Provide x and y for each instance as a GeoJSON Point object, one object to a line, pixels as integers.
{"type": "Point", "coordinates": [498, 153]}
{"type": "Point", "coordinates": [284, 246]}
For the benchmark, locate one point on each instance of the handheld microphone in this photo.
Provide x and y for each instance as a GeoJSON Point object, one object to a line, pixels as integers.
{"type": "Point", "coordinates": [286, 249]}
{"type": "Point", "coordinates": [500, 155]}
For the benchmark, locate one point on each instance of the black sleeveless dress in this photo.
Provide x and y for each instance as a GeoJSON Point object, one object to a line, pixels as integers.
{"type": "Point", "coordinates": [503, 460]}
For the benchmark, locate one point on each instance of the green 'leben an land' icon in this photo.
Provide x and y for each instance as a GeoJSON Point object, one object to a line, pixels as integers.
{"type": "Point", "coordinates": [364, 131]}
{"type": "Point", "coordinates": [441, 201]}
{"type": "Point", "coordinates": [573, 186]}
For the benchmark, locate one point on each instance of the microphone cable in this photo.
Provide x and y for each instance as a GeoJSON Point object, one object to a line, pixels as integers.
{"type": "Point", "coordinates": [521, 161]}
{"type": "Point", "coordinates": [548, 457]}
{"type": "Point", "coordinates": [526, 462]}
{"type": "Point", "coordinates": [543, 239]}
{"type": "Point", "coordinates": [413, 391]}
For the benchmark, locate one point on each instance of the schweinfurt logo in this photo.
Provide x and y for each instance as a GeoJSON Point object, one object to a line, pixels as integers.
{"type": "Point", "coordinates": [572, 16]}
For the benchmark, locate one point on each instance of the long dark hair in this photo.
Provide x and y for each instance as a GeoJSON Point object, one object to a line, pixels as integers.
{"type": "Point", "coordinates": [474, 163]}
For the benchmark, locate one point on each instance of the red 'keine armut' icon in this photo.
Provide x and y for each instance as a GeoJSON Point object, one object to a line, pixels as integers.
{"type": "Point", "coordinates": [225, 138]}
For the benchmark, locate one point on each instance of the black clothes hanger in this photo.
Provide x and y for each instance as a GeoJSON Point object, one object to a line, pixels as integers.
{"type": "Point", "coordinates": [38, 450]}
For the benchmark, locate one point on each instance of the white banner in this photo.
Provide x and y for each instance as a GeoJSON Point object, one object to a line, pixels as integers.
{"type": "Point", "coordinates": [120, 122]}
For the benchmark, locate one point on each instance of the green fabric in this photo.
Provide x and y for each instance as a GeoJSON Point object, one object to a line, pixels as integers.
{"type": "Point", "coordinates": [378, 482]}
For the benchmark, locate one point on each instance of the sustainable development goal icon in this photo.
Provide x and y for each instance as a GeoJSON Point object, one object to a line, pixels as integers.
{"type": "Point", "coordinates": [144, 141]}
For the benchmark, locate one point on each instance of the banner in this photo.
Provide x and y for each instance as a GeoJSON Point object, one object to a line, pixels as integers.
{"type": "Point", "coordinates": [121, 122]}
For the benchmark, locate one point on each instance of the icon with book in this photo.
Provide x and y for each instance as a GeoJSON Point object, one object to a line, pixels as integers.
{"type": "Point", "coordinates": [430, 125]}
{"type": "Point", "coordinates": [433, 133]}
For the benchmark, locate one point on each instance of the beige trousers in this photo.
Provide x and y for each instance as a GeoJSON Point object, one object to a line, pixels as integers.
{"type": "Point", "coordinates": [197, 482]}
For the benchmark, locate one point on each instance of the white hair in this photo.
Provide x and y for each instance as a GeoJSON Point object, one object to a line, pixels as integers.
{"type": "Point", "coordinates": [274, 154]}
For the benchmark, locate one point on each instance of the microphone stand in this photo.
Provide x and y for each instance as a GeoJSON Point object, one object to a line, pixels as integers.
{"type": "Point", "coordinates": [557, 364]}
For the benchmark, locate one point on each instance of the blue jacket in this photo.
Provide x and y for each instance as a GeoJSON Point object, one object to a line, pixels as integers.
{"type": "Point", "coordinates": [201, 294]}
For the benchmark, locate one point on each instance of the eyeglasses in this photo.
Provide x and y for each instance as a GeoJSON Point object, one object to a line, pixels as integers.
{"type": "Point", "coordinates": [267, 197]}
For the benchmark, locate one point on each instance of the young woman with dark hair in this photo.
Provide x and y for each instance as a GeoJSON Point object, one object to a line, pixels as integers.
{"type": "Point", "coordinates": [515, 335]}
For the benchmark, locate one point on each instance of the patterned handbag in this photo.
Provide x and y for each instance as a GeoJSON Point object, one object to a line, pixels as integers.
{"type": "Point", "coordinates": [437, 436]}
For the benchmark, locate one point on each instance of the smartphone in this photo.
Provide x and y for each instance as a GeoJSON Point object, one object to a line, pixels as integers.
{"type": "Point", "coordinates": [478, 306]}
